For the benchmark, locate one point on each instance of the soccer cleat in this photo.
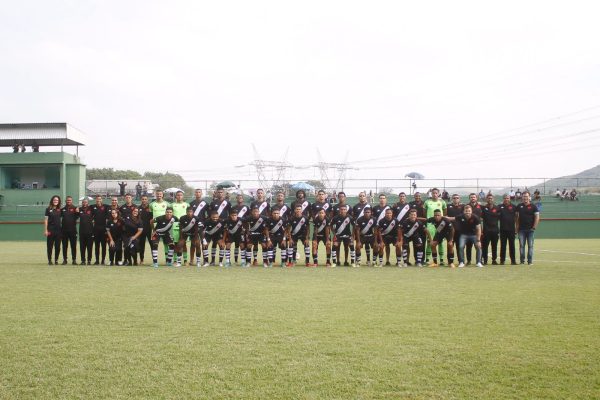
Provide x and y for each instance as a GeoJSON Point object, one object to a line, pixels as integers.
{"type": "Point", "coordinates": [178, 264]}
{"type": "Point", "coordinates": [309, 265]}
{"type": "Point", "coordinates": [419, 265]}
{"type": "Point", "coordinates": [442, 264]}
{"type": "Point", "coordinates": [513, 263]}
{"type": "Point", "coordinates": [495, 262]}
{"type": "Point", "coordinates": [408, 264]}
{"type": "Point", "coordinates": [169, 264]}
{"type": "Point", "coordinates": [220, 264]}
{"type": "Point", "coordinates": [212, 264]}
{"type": "Point", "coordinates": [346, 264]}
{"type": "Point", "coordinates": [97, 262]}
{"type": "Point", "coordinates": [65, 262]}
{"type": "Point", "coordinates": [155, 265]}
{"type": "Point", "coordinates": [289, 264]}
{"type": "Point", "coordinates": [227, 264]}
{"type": "Point", "coordinates": [433, 264]}
{"type": "Point", "coordinates": [355, 265]}
{"type": "Point", "coordinates": [82, 263]}
{"type": "Point", "coordinates": [75, 262]}
{"type": "Point", "coordinates": [479, 265]}
{"type": "Point", "coordinates": [530, 264]}
{"type": "Point", "coordinates": [461, 265]}
{"type": "Point", "coordinates": [243, 264]}
{"type": "Point", "coordinates": [206, 264]}
{"type": "Point", "coordinates": [328, 264]}
{"type": "Point", "coordinates": [387, 264]}
{"type": "Point", "coordinates": [119, 263]}
{"type": "Point", "coordinates": [198, 264]}
{"type": "Point", "coordinates": [452, 265]}
{"type": "Point", "coordinates": [50, 263]}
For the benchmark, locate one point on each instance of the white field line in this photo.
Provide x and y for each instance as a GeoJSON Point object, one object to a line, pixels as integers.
{"type": "Point", "coordinates": [569, 252]}
{"type": "Point", "coordinates": [535, 260]}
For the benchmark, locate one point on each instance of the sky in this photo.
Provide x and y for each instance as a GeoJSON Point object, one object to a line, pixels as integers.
{"type": "Point", "coordinates": [463, 89]}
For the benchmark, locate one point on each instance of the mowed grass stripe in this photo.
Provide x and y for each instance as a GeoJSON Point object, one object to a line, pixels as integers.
{"type": "Point", "coordinates": [120, 332]}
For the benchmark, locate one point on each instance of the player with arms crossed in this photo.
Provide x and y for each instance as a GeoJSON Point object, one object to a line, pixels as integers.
{"type": "Point", "coordinates": [298, 230]}
{"type": "Point", "coordinates": [342, 228]}
{"type": "Point", "coordinates": [321, 234]}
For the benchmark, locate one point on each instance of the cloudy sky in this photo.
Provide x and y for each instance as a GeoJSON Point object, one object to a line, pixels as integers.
{"type": "Point", "coordinates": [449, 89]}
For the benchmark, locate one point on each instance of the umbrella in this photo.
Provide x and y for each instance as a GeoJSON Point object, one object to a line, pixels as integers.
{"type": "Point", "coordinates": [302, 186]}
{"type": "Point", "coordinates": [173, 190]}
{"type": "Point", "coordinates": [225, 184]}
{"type": "Point", "coordinates": [415, 175]}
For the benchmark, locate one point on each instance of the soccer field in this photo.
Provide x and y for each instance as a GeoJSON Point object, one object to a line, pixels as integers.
{"type": "Point", "coordinates": [514, 332]}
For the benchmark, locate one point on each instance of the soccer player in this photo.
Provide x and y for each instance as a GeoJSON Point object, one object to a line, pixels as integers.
{"type": "Point", "coordinates": [188, 229]}
{"type": "Point", "coordinates": [400, 211]}
{"type": "Point", "coordinates": [469, 228]}
{"type": "Point", "coordinates": [387, 234]}
{"type": "Point", "coordinates": [365, 235]}
{"type": "Point", "coordinates": [242, 211]}
{"type": "Point", "coordinates": [114, 231]}
{"type": "Point", "coordinates": [159, 207]}
{"type": "Point", "coordinates": [528, 218]}
{"type": "Point", "coordinates": [70, 214]}
{"type": "Point", "coordinates": [145, 214]}
{"type": "Point", "coordinates": [162, 226]}
{"type": "Point", "coordinates": [298, 230]}
{"type": "Point", "coordinates": [490, 214]}
{"type": "Point", "coordinates": [361, 206]}
{"type": "Point", "coordinates": [507, 212]}
{"type": "Point", "coordinates": [101, 215]}
{"type": "Point", "coordinates": [234, 233]}
{"type": "Point", "coordinates": [52, 229]}
{"type": "Point", "coordinates": [128, 207]}
{"type": "Point", "coordinates": [321, 234]}
{"type": "Point", "coordinates": [86, 232]}
{"type": "Point", "coordinates": [430, 205]}
{"type": "Point", "coordinates": [302, 202]}
{"type": "Point", "coordinates": [342, 228]}
{"type": "Point", "coordinates": [335, 209]}
{"type": "Point", "coordinates": [214, 231]}
{"type": "Point", "coordinates": [220, 204]}
{"type": "Point", "coordinates": [284, 210]}
{"type": "Point", "coordinates": [261, 203]}
{"type": "Point", "coordinates": [179, 210]}
{"type": "Point", "coordinates": [200, 207]}
{"type": "Point", "coordinates": [276, 227]}
{"type": "Point", "coordinates": [320, 204]}
{"type": "Point", "coordinates": [419, 205]}
{"type": "Point", "coordinates": [412, 230]}
{"type": "Point", "coordinates": [256, 227]}
{"type": "Point", "coordinates": [443, 229]}
{"type": "Point", "coordinates": [114, 205]}
{"type": "Point", "coordinates": [379, 210]}
{"type": "Point", "coordinates": [133, 227]}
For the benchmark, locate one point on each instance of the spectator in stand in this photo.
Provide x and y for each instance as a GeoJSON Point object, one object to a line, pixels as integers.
{"type": "Point", "coordinates": [518, 194]}
{"type": "Point", "coordinates": [573, 195]}
{"type": "Point", "coordinates": [445, 196]}
{"type": "Point", "coordinates": [512, 195]}
{"type": "Point", "coordinates": [558, 193]}
{"type": "Point", "coordinates": [138, 191]}
{"type": "Point", "coordinates": [122, 188]}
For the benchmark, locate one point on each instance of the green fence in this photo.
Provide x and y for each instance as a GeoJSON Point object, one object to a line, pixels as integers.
{"type": "Point", "coordinates": [560, 219]}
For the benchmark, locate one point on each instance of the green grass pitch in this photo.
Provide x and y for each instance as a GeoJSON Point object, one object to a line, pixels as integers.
{"type": "Point", "coordinates": [513, 332]}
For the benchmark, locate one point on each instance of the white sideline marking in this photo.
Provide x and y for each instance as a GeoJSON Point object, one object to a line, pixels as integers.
{"type": "Point", "coordinates": [570, 252]}
{"type": "Point", "coordinates": [566, 262]}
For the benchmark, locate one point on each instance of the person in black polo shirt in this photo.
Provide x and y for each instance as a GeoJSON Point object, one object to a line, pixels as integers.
{"type": "Point", "coordinates": [52, 229]}
{"type": "Point", "coordinates": [507, 212]}
{"type": "Point", "coordinates": [528, 218]}
{"type": "Point", "coordinates": [490, 214]}
{"type": "Point", "coordinates": [100, 214]}
{"type": "Point", "coordinates": [469, 228]}
{"type": "Point", "coordinates": [86, 231]}
{"type": "Point", "coordinates": [70, 214]}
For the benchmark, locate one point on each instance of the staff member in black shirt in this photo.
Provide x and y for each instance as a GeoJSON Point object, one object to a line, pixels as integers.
{"type": "Point", "coordinates": [145, 214]}
{"type": "Point", "coordinates": [507, 212]}
{"type": "Point", "coordinates": [490, 215]}
{"type": "Point", "coordinates": [86, 231]}
{"type": "Point", "coordinates": [69, 214]}
{"type": "Point", "coordinates": [469, 227]}
{"type": "Point", "coordinates": [528, 218]}
{"type": "Point", "coordinates": [52, 229]}
{"type": "Point", "coordinates": [100, 214]}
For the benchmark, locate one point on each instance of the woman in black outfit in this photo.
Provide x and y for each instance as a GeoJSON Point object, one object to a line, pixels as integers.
{"type": "Point", "coordinates": [52, 229]}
